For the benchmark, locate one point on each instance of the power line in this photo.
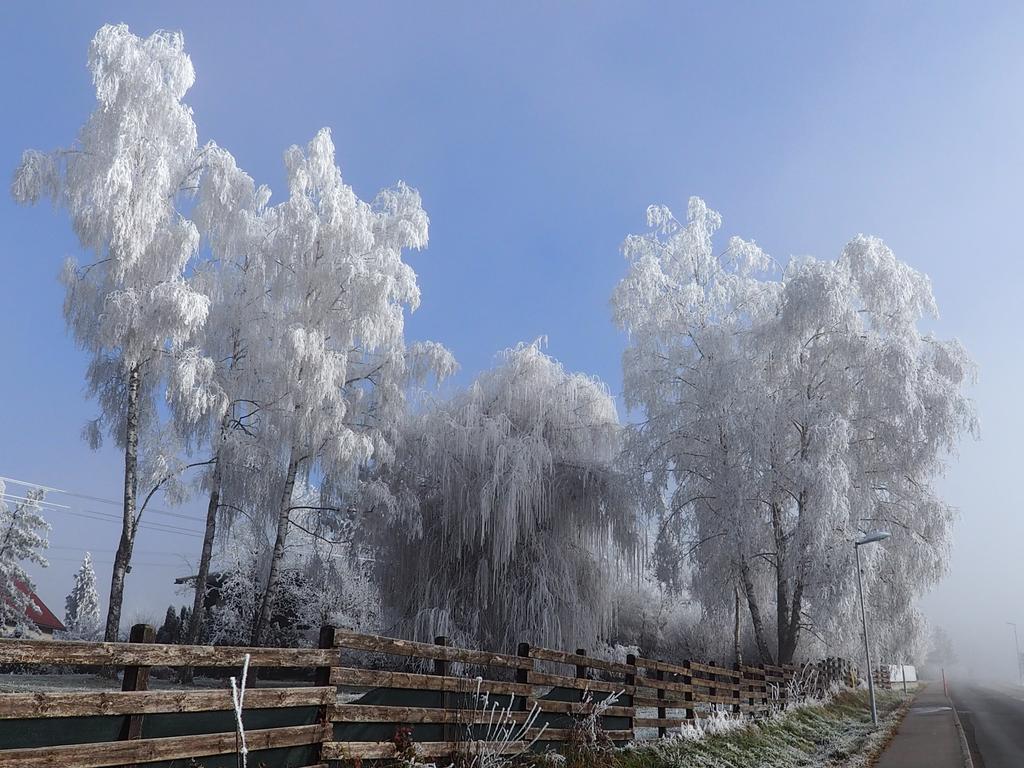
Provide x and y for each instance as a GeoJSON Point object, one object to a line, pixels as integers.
{"type": "Point", "coordinates": [99, 499]}
{"type": "Point", "coordinates": [40, 502]}
{"type": "Point", "coordinates": [158, 527]}
{"type": "Point", "coordinates": [73, 548]}
{"type": "Point", "coordinates": [111, 562]}
{"type": "Point", "coordinates": [106, 517]}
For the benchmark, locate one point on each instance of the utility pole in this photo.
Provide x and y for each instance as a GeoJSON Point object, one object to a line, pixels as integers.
{"type": "Point", "coordinates": [1016, 644]}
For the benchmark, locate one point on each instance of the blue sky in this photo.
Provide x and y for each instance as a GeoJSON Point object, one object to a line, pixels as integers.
{"type": "Point", "coordinates": [537, 134]}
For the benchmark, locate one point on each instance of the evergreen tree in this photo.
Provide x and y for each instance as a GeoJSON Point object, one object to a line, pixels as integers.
{"type": "Point", "coordinates": [82, 606]}
{"type": "Point", "coordinates": [184, 620]}
{"type": "Point", "coordinates": [170, 630]}
{"type": "Point", "coordinates": [22, 539]}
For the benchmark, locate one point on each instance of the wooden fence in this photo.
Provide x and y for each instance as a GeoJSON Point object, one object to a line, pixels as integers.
{"type": "Point", "coordinates": [541, 697]}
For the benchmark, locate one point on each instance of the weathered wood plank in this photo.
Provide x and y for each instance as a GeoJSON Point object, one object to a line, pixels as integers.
{"type": "Point", "coordinates": [658, 722]}
{"type": "Point", "coordinates": [699, 697]}
{"type": "Point", "coordinates": [568, 734]}
{"type": "Point", "coordinates": [751, 670]}
{"type": "Point", "coordinates": [72, 652]}
{"type": "Point", "coordinates": [365, 713]}
{"type": "Point", "coordinates": [654, 665]}
{"type": "Point", "coordinates": [703, 698]}
{"type": "Point", "coordinates": [20, 706]}
{"type": "Point", "coordinates": [580, 684]}
{"type": "Point", "coordinates": [650, 701]}
{"type": "Point", "coordinates": [359, 642]}
{"type": "Point", "coordinates": [711, 669]}
{"type": "Point", "coordinates": [376, 750]}
{"type": "Point", "coordinates": [577, 708]}
{"type": "Point", "coordinates": [111, 753]}
{"type": "Point", "coordinates": [665, 685]}
{"type": "Point", "coordinates": [373, 678]}
{"type": "Point", "coordinates": [694, 669]}
{"type": "Point", "coordinates": [549, 654]}
{"type": "Point", "coordinates": [717, 685]}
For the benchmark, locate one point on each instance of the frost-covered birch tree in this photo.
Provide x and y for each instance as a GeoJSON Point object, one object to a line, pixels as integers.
{"type": "Point", "coordinates": [82, 605]}
{"type": "Point", "coordinates": [785, 409]}
{"type": "Point", "coordinates": [23, 538]}
{"type": "Point", "coordinates": [337, 363]}
{"type": "Point", "coordinates": [129, 306]}
{"type": "Point", "coordinates": [507, 511]}
{"type": "Point", "coordinates": [216, 391]}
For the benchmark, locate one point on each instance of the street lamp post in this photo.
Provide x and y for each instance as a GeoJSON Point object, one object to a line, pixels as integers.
{"type": "Point", "coordinates": [867, 539]}
{"type": "Point", "coordinates": [1016, 643]}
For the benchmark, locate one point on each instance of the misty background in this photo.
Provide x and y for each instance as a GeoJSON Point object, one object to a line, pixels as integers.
{"type": "Point", "coordinates": [537, 136]}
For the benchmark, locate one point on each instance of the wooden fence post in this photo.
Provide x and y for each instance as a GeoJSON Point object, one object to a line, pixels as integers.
{"type": "Point", "coordinates": [713, 689]}
{"type": "Point", "coordinates": [322, 677]}
{"type": "Point", "coordinates": [581, 670]}
{"type": "Point", "coordinates": [762, 672]}
{"type": "Point", "coordinates": [659, 675]}
{"type": "Point", "coordinates": [523, 675]}
{"type": "Point", "coordinates": [736, 708]}
{"type": "Point", "coordinates": [630, 681]}
{"type": "Point", "coordinates": [442, 668]}
{"type": "Point", "coordinates": [441, 665]}
{"type": "Point", "coordinates": [748, 690]}
{"type": "Point", "coordinates": [136, 678]}
{"type": "Point", "coordinates": [688, 695]}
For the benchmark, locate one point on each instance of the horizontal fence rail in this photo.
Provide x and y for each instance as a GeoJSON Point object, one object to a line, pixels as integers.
{"type": "Point", "coordinates": [367, 697]}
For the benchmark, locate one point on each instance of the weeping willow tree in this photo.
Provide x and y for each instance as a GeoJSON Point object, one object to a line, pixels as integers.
{"type": "Point", "coordinates": [507, 519]}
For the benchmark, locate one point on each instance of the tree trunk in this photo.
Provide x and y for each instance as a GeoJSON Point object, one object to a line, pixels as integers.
{"type": "Point", "coordinates": [782, 607]}
{"type": "Point", "coordinates": [790, 610]}
{"type": "Point", "coordinates": [737, 650]}
{"type": "Point", "coordinates": [789, 634]}
{"type": "Point", "coordinates": [199, 600]}
{"type": "Point", "coordinates": [283, 521]}
{"type": "Point", "coordinates": [123, 557]}
{"type": "Point", "coordinates": [755, 617]}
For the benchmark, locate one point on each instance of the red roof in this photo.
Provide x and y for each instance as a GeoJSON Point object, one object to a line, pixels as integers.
{"type": "Point", "coordinates": [37, 611]}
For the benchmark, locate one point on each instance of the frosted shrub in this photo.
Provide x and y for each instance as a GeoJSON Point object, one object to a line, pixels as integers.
{"type": "Point", "coordinates": [716, 722]}
{"type": "Point", "coordinates": [503, 739]}
{"type": "Point", "coordinates": [589, 732]}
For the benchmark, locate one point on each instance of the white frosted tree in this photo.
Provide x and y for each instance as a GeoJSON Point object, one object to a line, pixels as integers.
{"type": "Point", "coordinates": [23, 538]}
{"type": "Point", "coordinates": [130, 306]}
{"type": "Point", "coordinates": [507, 511]}
{"type": "Point", "coordinates": [785, 409]}
{"type": "Point", "coordinates": [82, 605]}
{"type": "Point", "coordinates": [336, 361]}
{"type": "Point", "coordinates": [941, 650]}
{"type": "Point", "coordinates": [216, 392]}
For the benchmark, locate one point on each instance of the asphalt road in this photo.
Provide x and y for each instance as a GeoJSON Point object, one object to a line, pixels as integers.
{"type": "Point", "coordinates": [993, 718]}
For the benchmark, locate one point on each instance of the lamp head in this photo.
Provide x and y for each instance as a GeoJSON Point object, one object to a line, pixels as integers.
{"type": "Point", "coordinates": [871, 537]}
